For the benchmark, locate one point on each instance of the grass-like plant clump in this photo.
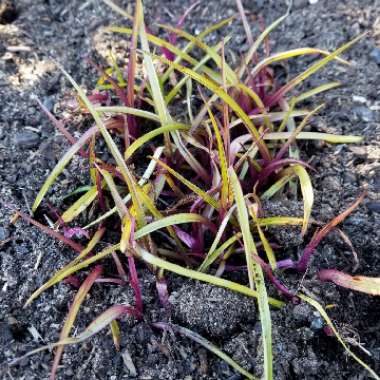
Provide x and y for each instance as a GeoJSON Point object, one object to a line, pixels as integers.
{"type": "Point", "coordinates": [212, 143]}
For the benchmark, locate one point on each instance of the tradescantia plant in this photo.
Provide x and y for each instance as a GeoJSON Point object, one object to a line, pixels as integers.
{"type": "Point", "coordinates": [205, 176]}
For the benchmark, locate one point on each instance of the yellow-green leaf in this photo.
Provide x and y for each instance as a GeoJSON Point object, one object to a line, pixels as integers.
{"type": "Point", "coordinates": [80, 205]}
{"type": "Point", "coordinates": [58, 169]}
{"type": "Point", "coordinates": [152, 134]}
{"type": "Point", "coordinates": [307, 194]}
{"type": "Point", "coordinates": [206, 197]}
{"type": "Point", "coordinates": [195, 275]}
{"type": "Point", "coordinates": [255, 275]}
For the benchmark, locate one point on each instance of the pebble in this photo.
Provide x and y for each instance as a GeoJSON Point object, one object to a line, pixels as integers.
{"type": "Point", "coordinates": [359, 99]}
{"type": "Point", "coordinates": [364, 113]}
{"type": "Point", "coordinates": [301, 312]}
{"type": "Point", "coordinates": [375, 55]}
{"type": "Point", "coordinates": [374, 207]}
{"type": "Point", "coordinates": [317, 324]}
{"type": "Point", "coordinates": [27, 139]}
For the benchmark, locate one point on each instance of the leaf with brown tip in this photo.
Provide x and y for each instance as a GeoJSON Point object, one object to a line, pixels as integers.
{"type": "Point", "coordinates": [369, 285]}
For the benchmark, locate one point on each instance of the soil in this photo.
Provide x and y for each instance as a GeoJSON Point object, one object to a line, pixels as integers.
{"type": "Point", "coordinates": [33, 35]}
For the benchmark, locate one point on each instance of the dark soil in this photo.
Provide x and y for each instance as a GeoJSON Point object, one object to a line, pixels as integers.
{"type": "Point", "coordinates": [31, 34]}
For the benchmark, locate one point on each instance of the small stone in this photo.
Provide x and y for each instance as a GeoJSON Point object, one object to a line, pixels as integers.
{"type": "Point", "coordinates": [375, 55]}
{"type": "Point", "coordinates": [317, 324]}
{"type": "Point", "coordinates": [364, 113]}
{"type": "Point", "coordinates": [302, 312]}
{"type": "Point", "coordinates": [374, 207]}
{"type": "Point", "coordinates": [27, 139]}
{"type": "Point", "coordinates": [4, 234]}
{"type": "Point", "coordinates": [313, 1]}
{"type": "Point", "coordinates": [359, 99]}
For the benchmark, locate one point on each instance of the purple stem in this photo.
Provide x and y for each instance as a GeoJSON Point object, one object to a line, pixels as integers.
{"type": "Point", "coordinates": [133, 279]}
{"type": "Point", "coordinates": [275, 281]}
{"type": "Point", "coordinates": [277, 164]}
{"type": "Point", "coordinates": [286, 264]}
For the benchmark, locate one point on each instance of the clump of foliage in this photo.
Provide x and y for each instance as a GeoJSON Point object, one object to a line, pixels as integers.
{"type": "Point", "coordinates": [197, 209]}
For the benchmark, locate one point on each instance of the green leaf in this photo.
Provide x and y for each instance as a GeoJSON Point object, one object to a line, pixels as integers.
{"type": "Point", "coordinates": [307, 194]}
{"type": "Point", "coordinates": [170, 220]}
{"type": "Point", "coordinates": [215, 253]}
{"type": "Point", "coordinates": [277, 186]}
{"type": "Point", "coordinates": [191, 44]}
{"type": "Point", "coordinates": [158, 98]}
{"type": "Point", "coordinates": [58, 169]}
{"type": "Point", "coordinates": [198, 67]}
{"type": "Point", "coordinates": [81, 189]}
{"type": "Point", "coordinates": [317, 90]}
{"type": "Point", "coordinates": [70, 269]}
{"type": "Point", "coordinates": [280, 221]}
{"type": "Point", "coordinates": [267, 247]}
{"type": "Point", "coordinates": [152, 134]}
{"type": "Point", "coordinates": [207, 198]}
{"type": "Point", "coordinates": [128, 177]}
{"type": "Point", "coordinates": [231, 76]}
{"type": "Point", "coordinates": [219, 92]}
{"type": "Point", "coordinates": [144, 179]}
{"type": "Point", "coordinates": [289, 54]}
{"type": "Point", "coordinates": [211, 255]}
{"type": "Point", "coordinates": [317, 66]}
{"type": "Point", "coordinates": [118, 9]}
{"type": "Point", "coordinates": [255, 274]}
{"type": "Point", "coordinates": [253, 49]}
{"type": "Point", "coordinates": [195, 275]}
{"type": "Point", "coordinates": [116, 334]}
{"type": "Point", "coordinates": [178, 52]}
{"type": "Point", "coordinates": [80, 205]}
{"type": "Point", "coordinates": [222, 160]}
{"type": "Point", "coordinates": [121, 208]}
{"type": "Point", "coordinates": [128, 111]}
